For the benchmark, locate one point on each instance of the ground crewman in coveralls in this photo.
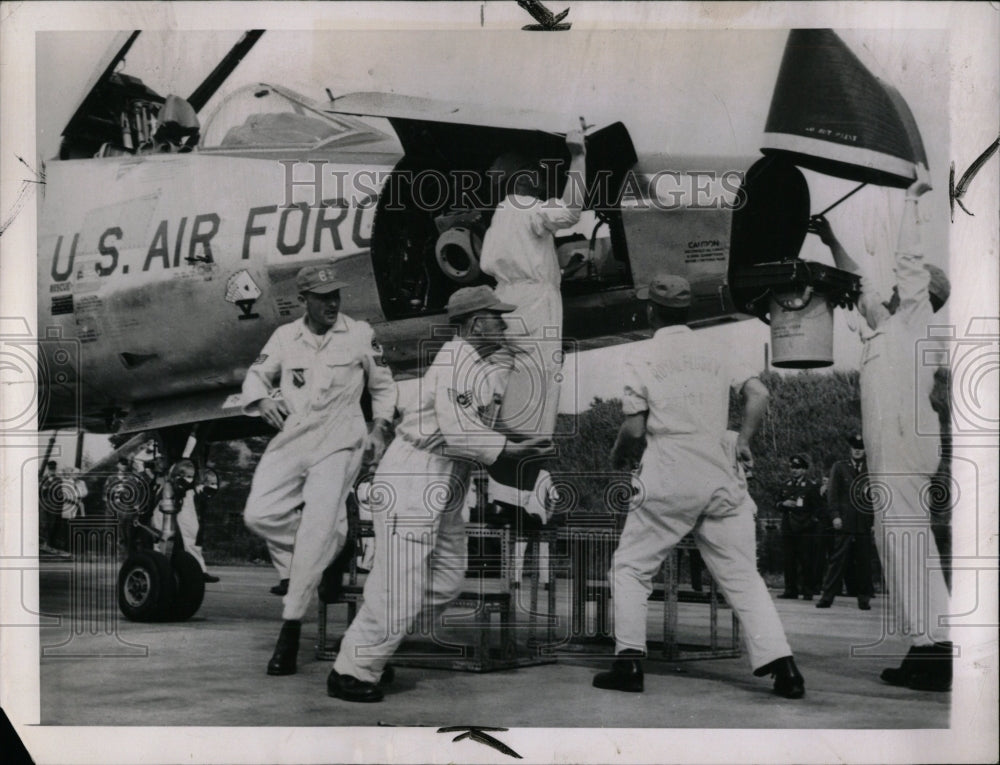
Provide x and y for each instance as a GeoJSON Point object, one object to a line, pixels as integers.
{"type": "Point", "coordinates": [307, 383]}
{"type": "Point", "coordinates": [677, 396]}
{"type": "Point", "coordinates": [419, 489]}
{"type": "Point", "coordinates": [519, 251]}
{"type": "Point", "coordinates": [902, 440]}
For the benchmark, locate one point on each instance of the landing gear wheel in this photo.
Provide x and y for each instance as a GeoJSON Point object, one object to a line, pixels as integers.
{"type": "Point", "coordinates": [190, 586]}
{"type": "Point", "coordinates": [146, 587]}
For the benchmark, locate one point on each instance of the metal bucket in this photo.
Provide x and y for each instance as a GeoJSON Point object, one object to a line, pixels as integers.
{"type": "Point", "coordinates": [801, 331]}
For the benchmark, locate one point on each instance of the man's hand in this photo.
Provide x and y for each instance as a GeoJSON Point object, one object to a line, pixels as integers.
{"type": "Point", "coordinates": [273, 412]}
{"type": "Point", "coordinates": [838, 524]}
{"type": "Point", "coordinates": [921, 185]}
{"type": "Point", "coordinates": [820, 226]}
{"type": "Point", "coordinates": [574, 142]}
{"type": "Point", "coordinates": [743, 453]}
{"type": "Point", "coordinates": [374, 446]}
{"type": "Point", "coordinates": [528, 447]}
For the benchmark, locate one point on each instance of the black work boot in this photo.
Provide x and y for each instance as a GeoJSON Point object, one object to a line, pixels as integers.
{"type": "Point", "coordinates": [900, 676]}
{"type": "Point", "coordinates": [625, 673]}
{"type": "Point", "coordinates": [788, 681]}
{"type": "Point", "coordinates": [349, 688]}
{"type": "Point", "coordinates": [286, 650]}
{"type": "Point", "coordinates": [924, 668]}
{"type": "Point", "coordinates": [933, 672]}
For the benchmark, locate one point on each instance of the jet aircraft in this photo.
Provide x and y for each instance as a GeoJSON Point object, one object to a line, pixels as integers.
{"type": "Point", "coordinates": [169, 239]}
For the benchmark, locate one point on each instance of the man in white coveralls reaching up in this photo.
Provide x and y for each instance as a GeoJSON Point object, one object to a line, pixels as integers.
{"type": "Point", "coordinates": [902, 439]}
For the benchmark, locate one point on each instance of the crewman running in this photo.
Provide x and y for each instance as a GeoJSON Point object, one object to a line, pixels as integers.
{"type": "Point", "coordinates": [307, 383]}
{"type": "Point", "coordinates": [418, 492]}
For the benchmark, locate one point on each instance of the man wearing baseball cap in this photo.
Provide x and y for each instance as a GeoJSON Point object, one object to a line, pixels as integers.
{"type": "Point", "coordinates": [307, 384]}
{"type": "Point", "coordinates": [690, 480]}
{"type": "Point", "coordinates": [849, 501]}
{"type": "Point", "coordinates": [419, 489]}
{"type": "Point", "coordinates": [902, 438]}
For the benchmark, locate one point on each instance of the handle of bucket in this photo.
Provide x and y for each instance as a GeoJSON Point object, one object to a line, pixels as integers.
{"type": "Point", "coordinates": [806, 300]}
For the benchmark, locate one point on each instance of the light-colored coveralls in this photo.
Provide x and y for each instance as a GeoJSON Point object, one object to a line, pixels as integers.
{"type": "Point", "coordinates": [416, 497]}
{"type": "Point", "coordinates": [519, 251]}
{"type": "Point", "coordinates": [689, 479]}
{"type": "Point", "coordinates": [313, 460]}
{"type": "Point", "coordinates": [902, 437]}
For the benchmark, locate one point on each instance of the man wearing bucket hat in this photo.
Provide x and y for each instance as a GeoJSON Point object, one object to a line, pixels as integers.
{"type": "Point", "coordinates": [849, 502]}
{"type": "Point", "coordinates": [690, 480]}
{"type": "Point", "coordinates": [418, 491]}
{"type": "Point", "coordinates": [801, 510]}
{"type": "Point", "coordinates": [307, 384]}
{"type": "Point", "coordinates": [902, 439]}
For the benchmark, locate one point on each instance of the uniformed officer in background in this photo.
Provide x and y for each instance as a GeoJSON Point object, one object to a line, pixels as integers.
{"type": "Point", "coordinates": [849, 501]}
{"type": "Point", "coordinates": [677, 397]}
{"type": "Point", "coordinates": [801, 524]}
{"type": "Point", "coordinates": [307, 384]}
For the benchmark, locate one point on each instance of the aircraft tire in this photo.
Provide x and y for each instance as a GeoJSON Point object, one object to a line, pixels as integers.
{"type": "Point", "coordinates": [190, 586]}
{"type": "Point", "coordinates": [146, 586]}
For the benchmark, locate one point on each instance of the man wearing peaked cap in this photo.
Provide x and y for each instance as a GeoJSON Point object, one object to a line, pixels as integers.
{"type": "Point", "coordinates": [902, 439]}
{"type": "Point", "coordinates": [849, 502]}
{"type": "Point", "coordinates": [801, 524]}
{"type": "Point", "coordinates": [420, 542]}
{"type": "Point", "coordinates": [307, 384]}
{"type": "Point", "coordinates": [676, 396]}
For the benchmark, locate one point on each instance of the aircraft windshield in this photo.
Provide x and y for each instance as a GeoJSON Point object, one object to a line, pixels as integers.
{"type": "Point", "coordinates": [265, 117]}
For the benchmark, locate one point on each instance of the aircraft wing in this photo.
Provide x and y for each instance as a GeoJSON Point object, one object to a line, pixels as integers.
{"type": "Point", "coordinates": [199, 407]}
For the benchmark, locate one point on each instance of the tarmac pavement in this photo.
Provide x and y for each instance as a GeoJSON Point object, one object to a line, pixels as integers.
{"type": "Point", "coordinates": [99, 669]}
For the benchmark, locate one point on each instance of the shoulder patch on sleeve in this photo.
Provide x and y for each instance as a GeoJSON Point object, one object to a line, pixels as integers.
{"type": "Point", "coordinates": [462, 399]}
{"type": "Point", "coordinates": [261, 359]}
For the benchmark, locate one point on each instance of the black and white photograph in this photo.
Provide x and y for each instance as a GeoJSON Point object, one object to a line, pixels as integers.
{"type": "Point", "coordinates": [482, 381]}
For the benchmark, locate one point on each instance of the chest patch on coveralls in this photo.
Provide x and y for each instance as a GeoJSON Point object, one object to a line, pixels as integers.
{"type": "Point", "coordinates": [298, 377]}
